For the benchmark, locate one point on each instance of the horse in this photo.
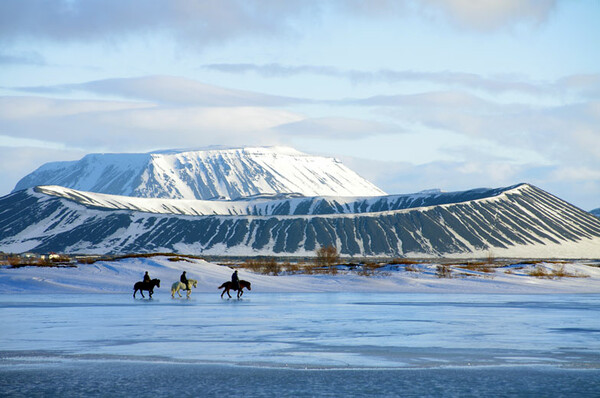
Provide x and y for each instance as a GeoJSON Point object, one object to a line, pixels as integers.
{"type": "Point", "coordinates": [149, 286]}
{"type": "Point", "coordinates": [177, 286]}
{"type": "Point", "coordinates": [227, 286]}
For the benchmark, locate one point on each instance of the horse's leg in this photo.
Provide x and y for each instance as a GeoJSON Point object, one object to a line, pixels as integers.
{"type": "Point", "coordinates": [134, 293]}
{"type": "Point", "coordinates": [228, 293]}
{"type": "Point", "coordinates": [222, 293]}
{"type": "Point", "coordinates": [142, 293]}
{"type": "Point", "coordinates": [150, 292]}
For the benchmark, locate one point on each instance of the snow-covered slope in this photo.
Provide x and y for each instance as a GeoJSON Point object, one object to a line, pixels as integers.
{"type": "Point", "coordinates": [518, 221]}
{"type": "Point", "coordinates": [205, 174]}
{"type": "Point", "coordinates": [118, 277]}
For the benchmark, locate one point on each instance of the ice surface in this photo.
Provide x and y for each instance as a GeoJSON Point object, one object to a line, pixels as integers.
{"type": "Point", "coordinates": [296, 335]}
{"type": "Point", "coordinates": [307, 330]}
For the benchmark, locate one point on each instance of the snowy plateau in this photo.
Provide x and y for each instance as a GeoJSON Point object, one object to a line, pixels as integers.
{"type": "Point", "coordinates": [276, 201]}
{"type": "Point", "coordinates": [205, 174]}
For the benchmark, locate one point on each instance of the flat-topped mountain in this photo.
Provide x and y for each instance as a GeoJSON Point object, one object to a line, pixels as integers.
{"type": "Point", "coordinates": [205, 174]}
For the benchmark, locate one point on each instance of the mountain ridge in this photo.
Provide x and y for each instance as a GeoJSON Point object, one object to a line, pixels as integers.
{"type": "Point", "coordinates": [522, 222]}
{"type": "Point", "coordinates": [274, 206]}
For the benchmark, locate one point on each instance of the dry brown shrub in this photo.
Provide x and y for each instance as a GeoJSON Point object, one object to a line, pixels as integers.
{"type": "Point", "coordinates": [479, 267]}
{"type": "Point", "coordinates": [368, 269]}
{"type": "Point", "coordinates": [267, 266]}
{"type": "Point", "coordinates": [540, 272]}
{"type": "Point", "coordinates": [327, 256]}
{"type": "Point", "coordinates": [293, 268]}
{"type": "Point", "coordinates": [398, 261]}
{"type": "Point", "coordinates": [411, 268]}
{"type": "Point", "coordinates": [443, 271]}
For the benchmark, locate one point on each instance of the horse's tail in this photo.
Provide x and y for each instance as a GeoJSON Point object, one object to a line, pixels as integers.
{"type": "Point", "coordinates": [222, 286]}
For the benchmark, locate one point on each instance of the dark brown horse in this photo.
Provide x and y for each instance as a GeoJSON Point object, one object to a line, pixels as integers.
{"type": "Point", "coordinates": [149, 286]}
{"type": "Point", "coordinates": [227, 286]}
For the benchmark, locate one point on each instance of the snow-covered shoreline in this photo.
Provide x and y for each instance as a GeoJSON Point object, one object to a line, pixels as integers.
{"type": "Point", "coordinates": [119, 277]}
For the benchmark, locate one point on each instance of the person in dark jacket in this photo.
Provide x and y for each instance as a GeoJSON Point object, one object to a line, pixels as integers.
{"type": "Point", "coordinates": [235, 280]}
{"type": "Point", "coordinates": [146, 277]}
{"type": "Point", "coordinates": [183, 279]}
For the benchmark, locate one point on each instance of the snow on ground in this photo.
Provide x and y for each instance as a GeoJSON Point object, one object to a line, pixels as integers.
{"type": "Point", "coordinates": [119, 277]}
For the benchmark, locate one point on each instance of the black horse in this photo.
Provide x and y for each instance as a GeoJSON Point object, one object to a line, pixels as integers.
{"type": "Point", "coordinates": [227, 286]}
{"type": "Point", "coordinates": [149, 286]}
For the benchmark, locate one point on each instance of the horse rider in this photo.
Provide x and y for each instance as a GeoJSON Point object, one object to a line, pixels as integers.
{"type": "Point", "coordinates": [146, 277]}
{"type": "Point", "coordinates": [183, 279]}
{"type": "Point", "coordinates": [235, 280]}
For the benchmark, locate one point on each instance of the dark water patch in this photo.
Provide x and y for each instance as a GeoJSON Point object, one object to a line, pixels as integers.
{"type": "Point", "coordinates": [111, 379]}
{"type": "Point", "coordinates": [575, 330]}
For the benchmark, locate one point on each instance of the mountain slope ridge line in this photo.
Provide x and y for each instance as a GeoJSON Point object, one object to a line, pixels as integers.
{"type": "Point", "coordinates": [116, 202]}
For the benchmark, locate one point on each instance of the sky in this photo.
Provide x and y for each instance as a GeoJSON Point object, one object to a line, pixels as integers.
{"type": "Point", "coordinates": [412, 95]}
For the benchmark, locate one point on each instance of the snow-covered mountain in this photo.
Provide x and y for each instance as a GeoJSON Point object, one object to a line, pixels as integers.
{"type": "Point", "coordinates": [205, 174]}
{"type": "Point", "coordinates": [517, 221]}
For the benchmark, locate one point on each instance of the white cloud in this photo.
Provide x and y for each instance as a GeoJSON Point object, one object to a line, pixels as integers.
{"type": "Point", "coordinates": [167, 90]}
{"type": "Point", "coordinates": [580, 186]}
{"type": "Point", "coordinates": [196, 23]}
{"type": "Point", "coordinates": [337, 128]}
{"type": "Point", "coordinates": [16, 108]}
{"type": "Point", "coordinates": [202, 23]}
{"type": "Point", "coordinates": [473, 81]}
{"type": "Point", "coordinates": [489, 15]}
{"type": "Point", "coordinates": [561, 132]}
{"type": "Point", "coordinates": [119, 126]}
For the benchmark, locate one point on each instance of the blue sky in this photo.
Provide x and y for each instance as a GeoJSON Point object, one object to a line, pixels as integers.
{"type": "Point", "coordinates": [413, 95]}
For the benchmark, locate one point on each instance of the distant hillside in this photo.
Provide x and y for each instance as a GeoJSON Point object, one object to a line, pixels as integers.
{"type": "Point", "coordinates": [518, 221]}
{"type": "Point", "coordinates": [205, 174]}
{"type": "Point", "coordinates": [596, 212]}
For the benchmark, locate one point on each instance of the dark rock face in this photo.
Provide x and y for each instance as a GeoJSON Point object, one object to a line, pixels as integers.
{"type": "Point", "coordinates": [435, 225]}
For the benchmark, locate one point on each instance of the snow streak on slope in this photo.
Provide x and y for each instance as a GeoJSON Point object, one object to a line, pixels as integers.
{"type": "Point", "coordinates": [522, 221]}
{"type": "Point", "coordinates": [205, 174]}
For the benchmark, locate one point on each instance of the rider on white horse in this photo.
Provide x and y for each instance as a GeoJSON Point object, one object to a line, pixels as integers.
{"type": "Point", "coordinates": [183, 279]}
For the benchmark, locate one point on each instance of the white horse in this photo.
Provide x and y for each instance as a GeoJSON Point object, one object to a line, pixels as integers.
{"type": "Point", "coordinates": [177, 286]}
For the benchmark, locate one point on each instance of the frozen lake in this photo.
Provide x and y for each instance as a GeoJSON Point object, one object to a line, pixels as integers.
{"type": "Point", "coordinates": [302, 344]}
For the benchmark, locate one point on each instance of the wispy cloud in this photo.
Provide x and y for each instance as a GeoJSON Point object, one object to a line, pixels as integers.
{"type": "Point", "coordinates": [579, 185]}
{"type": "Point", "coordinates": [560, 132]}
{"type": "Point", "coordinates": [197, 23]}
{"type": "Point", "coordinates": [337, 128]}
{"type": "Point", "coordinates": [587, 85]}
{"type": "Point", "coordinates": [22, 58]}
{"type": "Point", "coordinates": [490, 15]}
{"type": "Point", "coordinates": [167, 90]}
{"type": "Point", "coordinates": [118, 126]}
